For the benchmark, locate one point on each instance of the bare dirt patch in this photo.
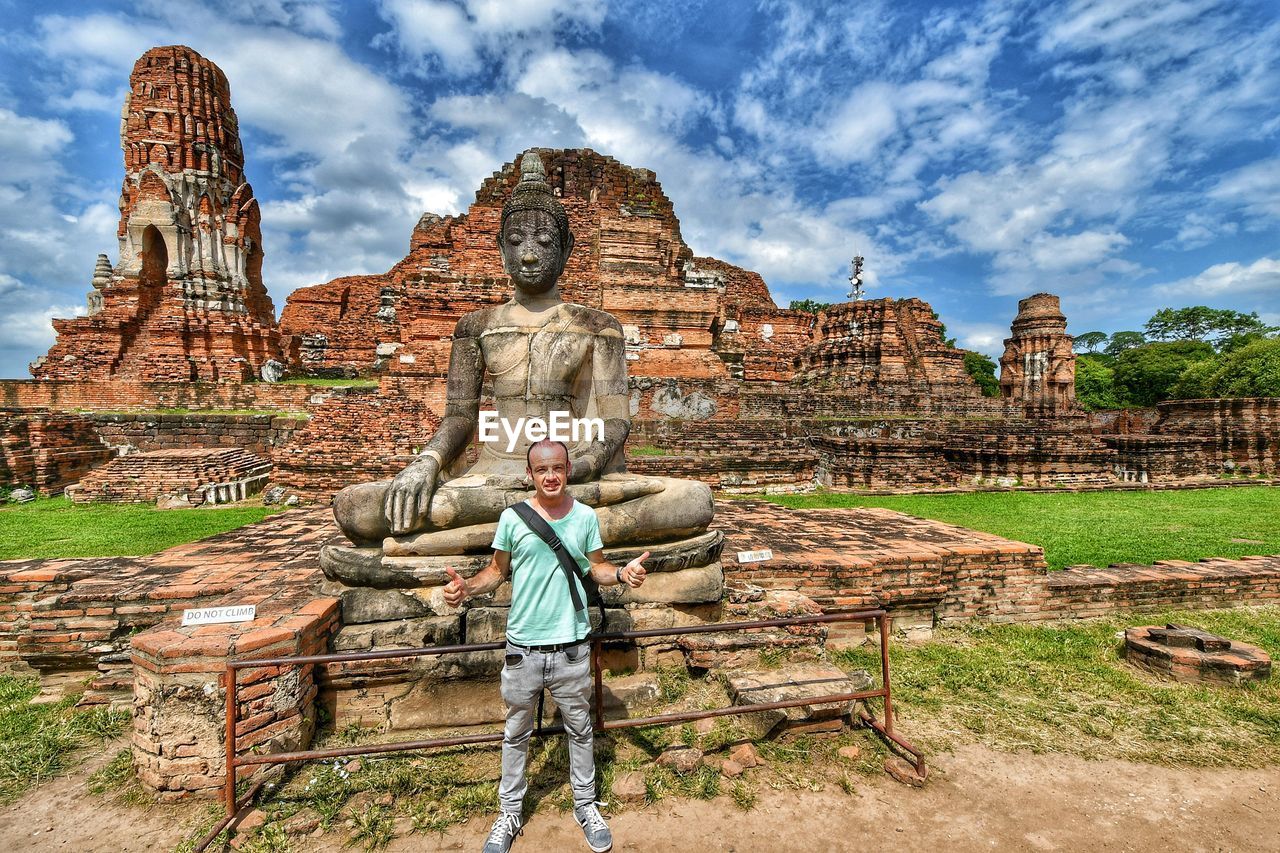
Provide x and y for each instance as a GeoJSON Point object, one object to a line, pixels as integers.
{"type": "Point", "coordinates": [976, 799]}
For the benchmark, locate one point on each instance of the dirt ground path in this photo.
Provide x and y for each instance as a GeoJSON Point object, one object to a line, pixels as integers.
{"type": "Point", "coordinates": [976, 799]}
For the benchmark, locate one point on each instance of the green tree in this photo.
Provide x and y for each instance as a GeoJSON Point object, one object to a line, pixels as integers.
{"type": "Point", "coordinates": [1194, 383]}
{"type": "Point", "coordinates": [1202, 323]}
{"type": "Point", "coordinates": [1090, 341]}
{"type": "Point", "coordinates": [1251, 371]}
{"type": "Point", "coordinates": [983, 371]}
{"type": "Point", "coordinates": [942, 331]}
{"type": "Point", "coordinates": [809, 306]}
{"type": "Point", "coordinates": [1121, 341]}
{"type": "Point", "coordinates": [1145, 375]}
{"type": "Point", "coordinates": [1095, 383]}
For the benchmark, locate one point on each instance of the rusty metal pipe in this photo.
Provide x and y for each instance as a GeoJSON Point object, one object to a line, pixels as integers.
{"type": "Point", "coordinates": [689, 716]}
{"type": "Point", "coordinates": [391, 654]}
{"type": "Point", "coordinates": [229, 788]}
{"type": "Point", "coordinates": [226, 821]}
{"type": "Point", "coordinates": [878, 615]}
{"type": "Point", "coordinates": [493, 737]}
{"type": "Point", "coordinates": [883, 621]}
{"type": "Point", "coordinates": [715, 627]}
{"type": "Point", "coordinates": [916, 755]}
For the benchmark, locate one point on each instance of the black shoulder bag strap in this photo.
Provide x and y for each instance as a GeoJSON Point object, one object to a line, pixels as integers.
{"type": "Point", "coordinates": [539, 526]}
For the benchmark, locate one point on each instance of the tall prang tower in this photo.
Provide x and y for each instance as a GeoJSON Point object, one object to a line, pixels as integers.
{"type": "Point", "coordinates": [1038, 368]}
{"type": "Point", "coordinates": [185, 301]}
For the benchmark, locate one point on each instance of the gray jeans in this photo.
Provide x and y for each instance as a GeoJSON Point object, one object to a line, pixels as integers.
{"type": "Point", "coordinates": [567, 676]}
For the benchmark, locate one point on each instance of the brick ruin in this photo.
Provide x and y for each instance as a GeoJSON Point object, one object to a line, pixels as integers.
{"type": "Point", "coordinates": [187, 476]}
{"type": "Point", "coordinates": [185, 300]}
{"type": "Point", "coordinates": [1038, 368]}
{"type": "Point", "coordinates": [115, 621]}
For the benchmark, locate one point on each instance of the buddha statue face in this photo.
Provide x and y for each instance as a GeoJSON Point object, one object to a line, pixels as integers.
{"type": "Point", "coordinates": [532, 251]}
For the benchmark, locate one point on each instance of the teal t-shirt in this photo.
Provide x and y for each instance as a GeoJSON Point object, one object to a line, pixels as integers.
{"type": "Point", "coordinates": [542, 611]}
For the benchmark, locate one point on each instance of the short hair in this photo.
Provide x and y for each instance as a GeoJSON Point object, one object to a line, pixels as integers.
{"type": "Point", "coordinates": [528, 456]}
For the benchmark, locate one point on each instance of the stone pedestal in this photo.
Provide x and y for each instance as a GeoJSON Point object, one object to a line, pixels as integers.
{"type": "Point", "coordinates": [179, 697]}
{"type": "Point", "coordinates": [397, 602]}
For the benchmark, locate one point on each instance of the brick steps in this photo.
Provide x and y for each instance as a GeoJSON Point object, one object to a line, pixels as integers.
{"type": "Point", "coordinates": [213, 475]}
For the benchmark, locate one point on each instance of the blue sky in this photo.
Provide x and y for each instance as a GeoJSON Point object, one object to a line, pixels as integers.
{"type": "Point", "coordinates": [1121, 154]}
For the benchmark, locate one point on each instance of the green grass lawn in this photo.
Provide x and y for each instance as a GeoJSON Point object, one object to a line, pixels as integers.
{"type": "Point", "coordinates": [1098, 528]}
{"type": "Point", "coordinates": [1067, 689]}
{"type": "Point", "coordinates": [331, 383]}
{"type": "Point", "coordinates": [274, 413]}
{"type": "Point", "coordinates": [55, 527]}
{"type": "Point", "coordinates": [38, 741]}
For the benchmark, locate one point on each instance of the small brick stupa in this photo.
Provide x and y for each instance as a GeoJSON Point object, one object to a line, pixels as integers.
{"type": "Point", "coordinates": [1038, 368]}
{"type": "Point", "coordinates": [186, 300]}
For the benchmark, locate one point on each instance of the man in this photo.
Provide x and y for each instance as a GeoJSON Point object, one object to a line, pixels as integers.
{"type": "Point", "coordinates": [546, 637]}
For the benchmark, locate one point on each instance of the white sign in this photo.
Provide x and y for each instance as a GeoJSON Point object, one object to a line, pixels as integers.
{"type": "Point", "coordinates": [755, 556]}
{"type": "Point", "coordinates": [217, 615]}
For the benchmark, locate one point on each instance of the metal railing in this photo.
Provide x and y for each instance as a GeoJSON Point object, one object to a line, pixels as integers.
{"type": "Point", "coordinates": [884, 729]}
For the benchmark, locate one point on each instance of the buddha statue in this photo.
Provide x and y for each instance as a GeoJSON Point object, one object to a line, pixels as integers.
{"type": "Point", "coordinates": [542, 355]}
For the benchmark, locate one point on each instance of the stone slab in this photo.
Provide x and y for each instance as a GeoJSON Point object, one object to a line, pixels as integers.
{"type": "Point", "coordinates": [761, 687]}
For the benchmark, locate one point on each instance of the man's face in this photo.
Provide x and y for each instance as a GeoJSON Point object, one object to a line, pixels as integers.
{"type": "Point", "coordinates": [531, 250]}
{"type": "Point", "coordinates": [549, 470]}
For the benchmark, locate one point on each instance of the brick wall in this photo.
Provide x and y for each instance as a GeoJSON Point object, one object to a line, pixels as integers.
{"type": "Point", "coordinates": [352, 437]}
{"type": "Point", "coordinates": [213, 475]}
{"type": "Point", "coordinates": [260, 434]}
{"type": "Point", "coordinates": [121, 394]}
{"type": "Point", "coordinates": [1243, 434]}
{"type": "Point", "coordinates": [47, 450]}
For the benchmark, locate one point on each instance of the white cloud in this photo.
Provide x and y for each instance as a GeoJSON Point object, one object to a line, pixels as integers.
{"type": "Point", "coordinates": [1254, 189]}
{"type": "Point", "coordinates": [1198, 229]}
{"type": "Point", "coordinates": [1119, 24]}
{"type": "Point", "coordinates": [1229, 279]}
{"type": "Point", "coordinates": [986, 338]}
{"type": "Point", "coordinates": [1152, 89]}
{"type": "Point", "coordinates": [858, 129]}
{"type": "Point", "coordinates": [29, 144]}
{"type": "Point", "coordinates": [426, 28]}
{"type": "Point", "coordinates": [1072, 251]}
{"type": "Point", "coordinates": [31, 328]}
{"type": "Point", "coordinates": [462, 37]}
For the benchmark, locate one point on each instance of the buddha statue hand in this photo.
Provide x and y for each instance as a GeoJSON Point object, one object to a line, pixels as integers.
{"type": "Point", "coordinates": [408, 498]}
{"type": "Point", "coordinates": [584, 467]}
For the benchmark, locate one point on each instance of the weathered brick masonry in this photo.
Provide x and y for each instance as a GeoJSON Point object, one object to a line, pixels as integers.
{"type": "Point", "coordinates": [126, 394]}
{"type": "Point", "coordinates": [48, 450]}
{"type": "Point", "coordinates": [185, 300]}
{"type": "Point", "coordinates": [195, 475]}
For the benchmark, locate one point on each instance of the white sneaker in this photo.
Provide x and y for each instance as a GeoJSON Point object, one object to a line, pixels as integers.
{"type": "Point", "coordinates": [599, 838]}
{"type": "Point", "coordinates": [504, 832]}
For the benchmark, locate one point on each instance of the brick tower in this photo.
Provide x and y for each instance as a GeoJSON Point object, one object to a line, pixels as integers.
{"type": "Point", "coordinates": [1038, 368]}
{"type": "Point", "coordinates": [186, 299]}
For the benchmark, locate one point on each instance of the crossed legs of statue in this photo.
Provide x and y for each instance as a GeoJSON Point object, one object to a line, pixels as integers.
{"type": "Point", "coordinates": [464, 512]}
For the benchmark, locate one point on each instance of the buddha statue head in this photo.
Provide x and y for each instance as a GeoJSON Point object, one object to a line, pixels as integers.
{"type": "Point", "coordinates": [534, 239]}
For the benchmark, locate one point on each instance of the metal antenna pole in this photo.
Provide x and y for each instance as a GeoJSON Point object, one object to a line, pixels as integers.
{"type": "Point", "coordinates": [855, 278]}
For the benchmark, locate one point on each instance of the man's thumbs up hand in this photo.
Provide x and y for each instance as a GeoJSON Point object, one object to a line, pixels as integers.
{"type": "Point", "coordinates": [633, 573]}
{"type": "Point", "coordinates": [455, 591]}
